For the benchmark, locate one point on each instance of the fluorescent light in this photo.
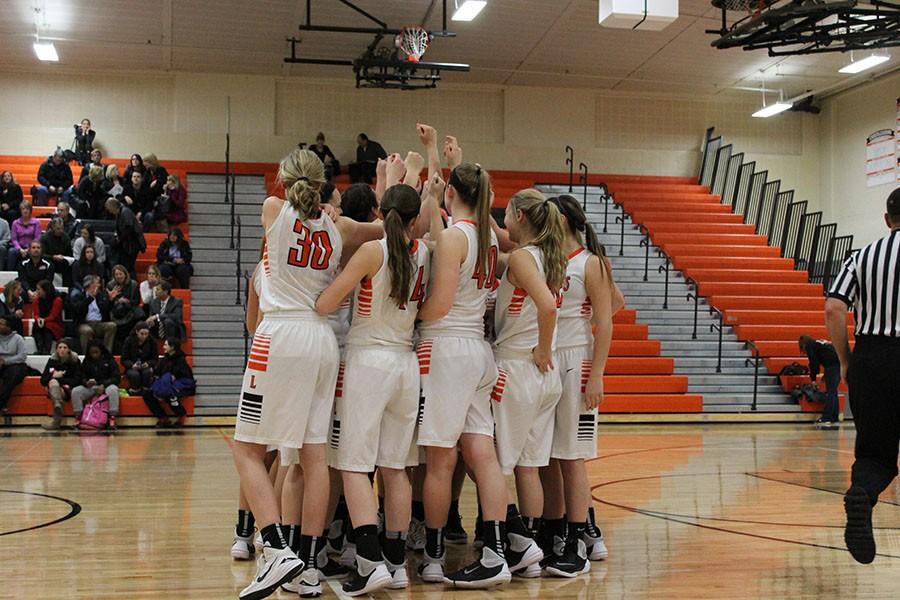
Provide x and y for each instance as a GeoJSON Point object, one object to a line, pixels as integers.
{"type": "Point", "coordinates": [46, 51]}
{"type": "Point", "coordinates": [468, 10]}
{"type": "Point", "coordinates": [862, 64]}
{"type": "Point", "coordinates": [772, 109]}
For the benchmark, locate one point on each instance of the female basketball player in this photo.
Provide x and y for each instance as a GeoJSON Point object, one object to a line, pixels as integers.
{"type": "Point", "coordinates": [281, 404]}
{"type": "Point", "coordinates": [589, 300]}
{"type": "Point", "coordinates": [375, 424]}
{"type": "Point", "coordinates": [528, 387]}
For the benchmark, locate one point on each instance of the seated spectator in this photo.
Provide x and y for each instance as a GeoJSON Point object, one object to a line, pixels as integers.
{"type": "Point", "coordinates": [87, 237]}
{"type": "Point", "coordinates": [367, 154]}
{"type": "Point", "coordinates": [12, 362]}
{"type": "Point", "coordinates": [148, 286]}
{"type": "Point", "coordinates": [139, 357]}
{"type": "Point", "coordinates": [358, 202]}
{"type": "Point", "coordinates": [12, 305]}
{"type": "Point", "coordinates": [34, 269]}
{"type": "Point", "coordinates": [87, 264]}
{"type": "Point", "coordinates": [173, 257]}
{"type": "Point", "coordinates": [156, 174]}
{"type": "Point", "coordinates": [10, 197]}
{"type": "Point", "coordinates": [112, 183]}
{"type": "Point", "coordinates": [84, 140]}
{"type": "Point", "coordinates": [129, 240]}
{"type": "Point", "coordinates": [91, 313]}
{"type": "Point", "coordinates": [100, 374]}
{"type": "Point", "coordinates": [173, 381]}
{"type": "Point", "coordinates": [62, 373]}
{"type": "Point", "coordinates": [176, 212]}
{"type": "Point", "coordinates": [135, 164]}
{"type": "Point", "coordinates": [96, 161]}
{"type": "Point", "coordinates": [48, 326]}
{"type": "Point", "coordinates": [5, 237]}
{"type": "Point", "coordinates": [90, 195]}
{"type": "Point", "coordinates": [332, 166]}
{"type": "Point", "coordinates": [125, 295]}
{"type": "Point", "coordinates": [24, 231]}
{"type": "Point", "coordinates": [64, 212]}
{"type": "Point", "coordinates": [166, 318]}
{"type": "Point", "coordinates": [138, 197]}
{"type": "Point", "coordinates": [57, 249]}
{"type": "Point", "coordinates": [54, 178]}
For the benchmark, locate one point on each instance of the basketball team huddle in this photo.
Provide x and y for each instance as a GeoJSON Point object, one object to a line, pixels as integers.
{"type": "Point", "coordinates": [425, 343]}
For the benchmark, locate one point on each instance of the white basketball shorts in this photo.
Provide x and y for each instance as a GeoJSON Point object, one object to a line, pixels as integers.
{"type": "Point", "coordinates": [575, 430]}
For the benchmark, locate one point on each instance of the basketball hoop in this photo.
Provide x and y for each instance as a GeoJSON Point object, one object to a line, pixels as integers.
{"type": "Point", "coordinates": [414, 42]}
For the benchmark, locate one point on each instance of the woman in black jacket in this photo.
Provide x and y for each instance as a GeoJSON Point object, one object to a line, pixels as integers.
{"type": "Point", "coordinates": [100, 374]}
{"type": "Point", "coordinates": [125, 294]}
{"type": "Point", "coordinates": [10, 197]}
{"type": "Point", "coordinates": [62, 373]}
{"type": "Point", "coordinates": [86, 265]}
{"type": "Point", "coordinates": [139, 357]}
{"type": "Point", "coordinates": [173, 257]}
{"type": "Point", "coordinates": [178, 381]}
{"type": "Point", "coordinates": [91, 194]}
{"type": "Point", "coordinates": [135, 164]}
{"type": "Point", "coordinates": [12, 305]}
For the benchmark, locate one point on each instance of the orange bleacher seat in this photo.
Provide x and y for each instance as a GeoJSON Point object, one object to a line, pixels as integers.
{"type": "Point", "coordinates": [617, 365]}
{"type": "Point", "coordinates": [645, 215]}
{"type": "Point", "coordinates": [730, 262]}
{"type": "Point", "coordinates": [748, 275]}
{"type": "Point", "coordinates": [659, 227]}
{"type": "Point", "coordinates": [630, 332]}
{"type": "Point", "coordinates": [701, 250]}
{"type": "Point", "coordinates": [742, 288]}
{"type": "Point", "coordinates": [634, 348]}
{"type": "Point", "coordinates": [625, 316]}
{"type": "Point", "coordinates": [727, 303]}
{"type": "Point", "coordinates": [651, 403]}
{"type": "Point", "coordinates": [645, 384]}
{"type": "Point", "coordinates": [781, 332]}
{"type": "Point", "coordinates": [713, 239]}
{"type": "Point", "coordinates": [775, 317]}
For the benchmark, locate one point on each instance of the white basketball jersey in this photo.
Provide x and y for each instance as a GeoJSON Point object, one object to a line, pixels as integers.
{"type": "Point", "coordinates": [574, 321]}
{"type": "Point", "coordinates": [515, 314]}
{"type": "Point", "coordinates": [377, 319]}
{"type": "Point", "coordinates": [300, 260]}
{"type": "Point", "coordinates": [466, 316]}
{"type": "Point", "coordinates": [340, 321]}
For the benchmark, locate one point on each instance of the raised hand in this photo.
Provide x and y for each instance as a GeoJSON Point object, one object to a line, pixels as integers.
{"type": "Point", "coordinates": [427, 134]}
{"type": "Point", "coordinates": [452, 152]}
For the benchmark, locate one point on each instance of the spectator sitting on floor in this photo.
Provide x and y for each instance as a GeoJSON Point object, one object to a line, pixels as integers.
{"type": "Point", "coordinates": [87, 237]}
{"type": "Point", "coordinates": [86, 265]}
{"type": "Point", "coordinates": [48, 326]}
{"type": "Point", "coordinates": [129, 240]}
{"type": "Point", "coordinates": [12, 305]}
{"type": "Point", "coordinates": [34, 269]}
{"type": "Point", "coordinates": [166, 318]}
{"type": "Point", "coordinates": [138, 197]}
{"type": "Point", "coordinates": [84, 140]}
{"type": "Point", "coordinates": [173, 381]}
{"type": "Point", "coordinates": [12, 363]}
{"type": "Point", "coordinates": [358, 202]}
{"type": "Point", "coordinates": [112, 183]}
{"type": "Point", "coordinates": [91, 195]}
{"type": "Point", "coordinates": [821, 353]}
{"type": "Point", "coordinates": [11, 197]}
{"type": "Point", "coordinates": [96, 161]}
{"type": "Point", "coordinates": [54, 178]}
{"type": "Point", "coordinates": [177, 213]}
{"type": "Point", "coordinates": [91, 313]}
{"type": "Point", "coordinates": [147, 287]}
{"type": "Point", "coordinates": [100, 374]}
{"type": "Point", "coordinates": [139, 357]}
{"type": "Point", "coordinates": [156, 175]}
{"type": "Point", "coordinates": [57, 249]}
{"type": "Point", "coordinates": [62, 373]}
{"type": "Point", "coordinates": [64, 212]}
{"type": "Point", "coordinates": [125, 294]}
{"type": "Point", "coordinates": [24, 231]}
{"type": "Point", "coordinates": [174, 259]}
{"type": "Point", "coordinates": [136, 163]}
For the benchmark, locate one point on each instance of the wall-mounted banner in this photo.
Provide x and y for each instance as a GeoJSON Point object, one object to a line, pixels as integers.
{"type": "Point", "coordinates": [881, 157]}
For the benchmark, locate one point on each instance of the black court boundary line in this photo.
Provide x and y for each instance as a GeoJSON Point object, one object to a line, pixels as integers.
{"type": "Point", "coordinates": [810, 487]}
{"type": "Point", "coordinates": [75, 509]}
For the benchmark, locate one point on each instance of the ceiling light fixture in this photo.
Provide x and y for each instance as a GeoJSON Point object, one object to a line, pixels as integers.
{"type": "Point", "coordinates": [468, 10]}
{"type": "Point", "coordinates": [772, 109]}
{"type": "Point", "coordinates": [46, 51]}
{"type": "Point", "coordinates": [858, 66]}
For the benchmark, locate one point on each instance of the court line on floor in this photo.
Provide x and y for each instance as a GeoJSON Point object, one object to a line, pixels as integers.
{"type": "Point", "coordinates": [809, 487]}
{"type": "Point", "coordinates": [74, 510]}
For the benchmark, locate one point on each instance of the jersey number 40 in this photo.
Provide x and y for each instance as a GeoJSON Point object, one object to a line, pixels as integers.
{"type": "Point", "coordinates": [313, 249]}
{"type": "Point", "coordinates": [486, 280]}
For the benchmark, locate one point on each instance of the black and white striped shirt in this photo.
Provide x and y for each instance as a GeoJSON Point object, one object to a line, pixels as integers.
{"type": "Point", "coordinates": [870, 283]}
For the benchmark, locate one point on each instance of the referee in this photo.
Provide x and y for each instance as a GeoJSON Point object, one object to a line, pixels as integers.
{"type": "Point", "coordinates": [870, 284]}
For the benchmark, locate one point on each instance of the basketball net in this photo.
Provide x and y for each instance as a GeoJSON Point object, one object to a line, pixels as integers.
{"type": "Point", "coordinates": [414, 42]}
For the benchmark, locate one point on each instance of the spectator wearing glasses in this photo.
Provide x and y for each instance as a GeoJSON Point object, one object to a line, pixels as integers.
{"type": "Point", "coordinates": [166, 318]}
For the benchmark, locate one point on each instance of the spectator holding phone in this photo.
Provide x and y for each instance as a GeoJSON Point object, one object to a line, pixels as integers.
{"type": "Point", "coordinates": [62, 373]}
{"type": "Point", "coordinates": [100, 374]}
{"type": "Point", "coordinates": [139, 357]}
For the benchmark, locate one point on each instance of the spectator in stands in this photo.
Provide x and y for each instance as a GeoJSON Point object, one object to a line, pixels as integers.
{"type": "Point", "coordinates": [174, 259]}
{"type": "Point", "coordinates": [24, 231]}
{"type": "Point", "coordinates": [92, 313]}
{"type": "Point", "coordinates": [148, 286]}
{"type": "Point", "coordinates": [87, 264]}
{"type": "Point", "coordinates": [821, 353]}
{"type": "Point", "coordinates": [100, 374]}
{"type": "Point", "coordinates": [367, 154]}
{"type": "Point", "coordinates": [12, 362]}
{"type": "Point", "coordinates": [138, 197]}
{"type": "Point", "coordinates": [135, 164]}
{"type": "Point", "coordinates": [129, 240]}
{"type": "Point", "coordinates": [332, 166]}
{"type": "Point", "coordinates": [96, 161]}
{"type": "Point", "coordinates": [64, 212]}
{"type": "Point", "coordinates": [10, 197]}
{"type": "Point", "coordinates": [12, 305]}
{"type": "Point", "coordinates": [5, 237]}
{"type": "Point", "coordinates": [358, 202]}
{"type": "Point", "coordinates": [166, 318]}
{"type": "Point", "coordinates": [91, 195]}
{"type": "Point", "coordinates": [48, 326]}
{"type": "Point", "coordinates": [54, 178]}
{"type": "Point", "coordinates": [125, 294]}
{"type": "Point", "coordinates": [86, 238]}
{"type": "Point", "coordinates": [173, 381]}
{"type": "Point", "coordinates": [62, 373]}
{"type": "Point", "coordinates": [139, 357]}
{"type": "Point", "coordinates": [84, 140]}
{"type": "Point", "coordinates": [57, 249]}
{"type": "Point", "coordinates": [156, 174]}
{"type": "Point", "coordinates": [112, 183]}
{"type": "Point", "coordinates": [34, 269]}
{"type": "Point", "coordinates": [177, 209]}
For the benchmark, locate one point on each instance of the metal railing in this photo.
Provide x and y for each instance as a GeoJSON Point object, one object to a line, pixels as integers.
{"type": "Point", "coordinates": [584, 182]}
{"type": "Point", "coordinates": [695, 296]}
{"type": "Point", "coordinates": [720, 327]}
{"type": "Point", "coordinates": [755, 358]}
{"type": "Point", "coordinates": [645, 244]}
{"type": "Point", "coordinates": [570, 162]}
{"type": "Point", "coordinates": [665, 268]}
{"type": "Point", "coordinates": [247, 277]}
{"type": "Point", "coordinates": [237, 265]}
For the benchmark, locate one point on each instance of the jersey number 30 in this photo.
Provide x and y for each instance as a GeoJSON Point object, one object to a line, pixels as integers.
{"type": "Point", "coordinates": [314, 248]}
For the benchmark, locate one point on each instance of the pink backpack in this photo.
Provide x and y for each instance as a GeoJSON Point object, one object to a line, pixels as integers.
{"type": "Point", "coordinates": [95, 415]}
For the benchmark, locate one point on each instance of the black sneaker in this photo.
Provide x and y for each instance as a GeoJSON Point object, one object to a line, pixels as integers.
{"type": "Point", "coordinates": [453, 531]}
{"type": "Point", "coordinates": [489, 570]}
{"type": "Point", "coordinates": [521, 552]}
{"type": "Point", "coordinates": [377, 579]}
{"type": "Point", "coordinates": [572, 563]}
{"type": "Point", "coordinates": [858, 533]}
{"type": "Point", "coordinates": [333, 570]}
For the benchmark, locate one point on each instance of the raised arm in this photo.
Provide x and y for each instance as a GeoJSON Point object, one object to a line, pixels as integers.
{"type": "Point", "coordinates": [452, 152]}
{"type": "Point", "coordinates": [428, 138]}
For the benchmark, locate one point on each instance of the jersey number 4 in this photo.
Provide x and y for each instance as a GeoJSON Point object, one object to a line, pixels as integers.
{"type": "Point", "coordinates": [486, 280]}
{"type": "Point", "coordinates": [314, 248]}
{"type": "Point", "coordinates": [417, 296]}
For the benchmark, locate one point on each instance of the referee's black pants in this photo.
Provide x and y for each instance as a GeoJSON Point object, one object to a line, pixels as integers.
{"type": "Point", "coordinates": [874, 383]}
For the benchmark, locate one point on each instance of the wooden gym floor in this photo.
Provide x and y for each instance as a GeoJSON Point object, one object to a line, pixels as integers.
{"type": "Point", "coordinates": [727, 511]}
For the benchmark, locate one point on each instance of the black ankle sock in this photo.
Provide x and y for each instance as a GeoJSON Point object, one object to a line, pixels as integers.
{"type": "Point", "coordinates": [307, 550]}
{"type": "Point", "coordinates": [454, 508]}
{"type": "Point", "coordinates": [418, 510]}
{"type": "Point", "coordinates": [592, 529]}
{"type": "Point", "coordinates": [273, 537]}
{"type": "Point", "coordinates": [576, 530]}
{"type": "Point", "coordinates": [367, 545]}
{"type": "Point", "coordinates": [555, 527]}
{"type": "Point", "coordinates": [393, 546]}
{"type": "Point", "coordinates": [245, 524]}
{"type": "Point", "coordinates": [434, 542]}
{"type": "Point", "coordinates": [341, 513]}
{"type": "Point", "coordinates": [533, 524]}
{"type": "Point", "coordinates": [495, 536]}
{"type": "Point", "coordinates": [514, 522]}
{"type": "Point", "coordinates": [348, 527]}
{"type": "Point", "coordinates": [292, 537]}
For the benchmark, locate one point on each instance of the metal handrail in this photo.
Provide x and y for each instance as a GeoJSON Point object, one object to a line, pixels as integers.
{"type": "Point", "coordinates": [607, 198]}
{"type": "Point", "coordinates": [664, 268]}
{"type": "Point", "coordinates": [621, 219]}
{"type": "Point", "coordinates": [570, 161]}
{"type": "Point", "coordinates": [584, 181]}
{"type": "Point", "coordinates": [721, 329]}
{"type": "Point", "coordinates": [247, 277]}
{"type": "Point", "coordinates": [645, 242]}
{"type": "Point", "coordinates": [695, 296]}
{"type": "Point", "coordinates": [237, 264]}
{"type": "Point", "coordinates": [755, 358]}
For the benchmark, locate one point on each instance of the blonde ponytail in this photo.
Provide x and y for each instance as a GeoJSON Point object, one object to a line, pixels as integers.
{"type": "Point", "coordinates": [302, 175]}
{"type": "Point", "coordinates": [544, 218]}
{"type": "Point", "coordinates": [473, 186]}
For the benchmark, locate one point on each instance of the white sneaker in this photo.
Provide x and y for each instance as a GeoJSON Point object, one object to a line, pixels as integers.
{"type": "Point", "coordinates": [309, 585]}
{"type": "Point", "coordinates": [348, 555]}
{"type": "Point", "coordinates": [273, 568]}
{"type": "Point", "coordinates": [415, 538]}
{"type": "Point", "coordinates": [532, 571]}
{"type": "Point", "coordinates": [431, 570]}
{"type": "Point", "coordinates": [596, 548]}
{"type": "Point", "coordinates": [258, 541]}
{"type": "Point", "coordinates": [242, 548]}
{"type": "Point", "coordinates": [400, 580]}
{"type": "Point", "coordinates": [522, 552]}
